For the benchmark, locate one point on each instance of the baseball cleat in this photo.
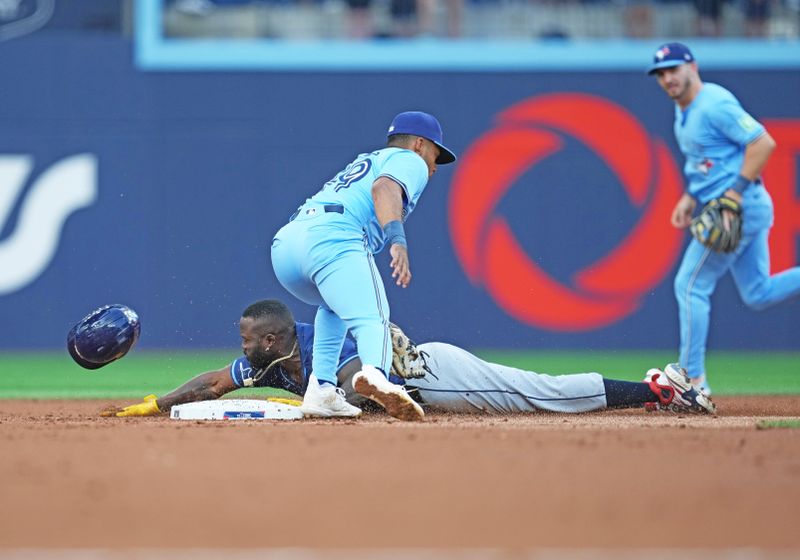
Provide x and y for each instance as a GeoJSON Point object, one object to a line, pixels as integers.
{"type": "Point", "coordinates": [701, 382]}
{"type": "Point", "coordinates": [371, 383]}
{"type": "Point", "coordinates": [676, 392]}
{"type": "Point", "coordinates": [326, 401]}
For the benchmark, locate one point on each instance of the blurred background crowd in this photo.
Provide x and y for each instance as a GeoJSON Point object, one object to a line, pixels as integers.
{"type": "Point", "coordinates": [456, 19]}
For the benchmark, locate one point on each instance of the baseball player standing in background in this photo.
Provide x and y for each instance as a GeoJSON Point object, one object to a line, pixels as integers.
{"type": "Point", "coordinates": [278, 352]}
{"type": "Point", "coordinates": [324, 257]}
{"type": "Point", "coordinates": [725, 150]}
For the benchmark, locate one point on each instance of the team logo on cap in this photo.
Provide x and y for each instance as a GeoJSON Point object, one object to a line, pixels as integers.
{"type": "Point", "coordinates": [662, 52]}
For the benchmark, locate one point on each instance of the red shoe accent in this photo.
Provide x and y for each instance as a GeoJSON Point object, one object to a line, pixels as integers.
{"type": "Point", "coordinates": [665, 393]}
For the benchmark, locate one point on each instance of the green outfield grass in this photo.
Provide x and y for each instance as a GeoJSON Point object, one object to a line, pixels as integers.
{"type": "Point", "coordinates": [46, 375]}
{"type": "Point", "coordinates": [53, 375]}
{"type": "Point", "coordinates": [789, 424]}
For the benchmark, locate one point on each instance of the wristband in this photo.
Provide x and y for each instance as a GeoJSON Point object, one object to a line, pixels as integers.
{"type": "Point", "coordinates": [741, 184]}
{"type": "Point", "coordinates": [395, 234]}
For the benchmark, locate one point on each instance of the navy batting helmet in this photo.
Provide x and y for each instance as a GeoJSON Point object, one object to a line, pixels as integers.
{"type": "Point", "coordinates": [104, 335]}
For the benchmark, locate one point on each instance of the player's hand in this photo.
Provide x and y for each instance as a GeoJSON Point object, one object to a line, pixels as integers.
{"type": "Point", "coordinates": [401, 271]}
{"type": "Point", "coordinates": [728, 215]}
{"type": "Point", "coordinates": [148, 407]}
{"type": "Point", "coordinates": [682, 213]}
{"type": "Point", "coordinates": [734, 195]}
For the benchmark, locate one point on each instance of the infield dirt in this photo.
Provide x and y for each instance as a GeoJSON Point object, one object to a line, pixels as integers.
{"type": "Point", "coordinates": [614, 479]}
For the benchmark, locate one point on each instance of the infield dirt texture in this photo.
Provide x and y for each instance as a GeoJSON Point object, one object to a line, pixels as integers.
{"type": "Point", "coordinates": [592, 485]}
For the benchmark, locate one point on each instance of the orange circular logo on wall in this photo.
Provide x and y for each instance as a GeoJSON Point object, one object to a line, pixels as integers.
{"type": "Point", "coordinates": [527, 133]}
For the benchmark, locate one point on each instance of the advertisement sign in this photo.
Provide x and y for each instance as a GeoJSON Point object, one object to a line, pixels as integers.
{"type": "Point", "coordinates": [162, 191]}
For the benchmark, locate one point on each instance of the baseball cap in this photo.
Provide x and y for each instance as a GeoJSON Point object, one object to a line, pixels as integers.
{"type": "Point", "coordinates": [669, 55]}
{"type": "Point", "coordinates": [424, 125]}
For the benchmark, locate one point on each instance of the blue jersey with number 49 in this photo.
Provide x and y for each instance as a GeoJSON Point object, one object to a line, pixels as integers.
{"type": "Point", "coordinates": [352, 187]}
{"type": "Point", "coordinates": [713, 132]}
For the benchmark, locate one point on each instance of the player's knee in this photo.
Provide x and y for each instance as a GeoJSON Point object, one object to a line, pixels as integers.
{"type": "Point", "coordinates": [681, 287]}
{"type": "Point", "coordinates": [756, 297]}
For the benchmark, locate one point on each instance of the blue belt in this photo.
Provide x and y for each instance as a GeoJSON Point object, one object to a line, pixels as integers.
{"type": "Point", "coordinates": [338, 208]}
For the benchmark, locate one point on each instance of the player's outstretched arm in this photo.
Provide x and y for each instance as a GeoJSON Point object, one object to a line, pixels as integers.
{"type": "Point", "coordinates": [387, 196]}
{"type": "Point", "coordinates": [206, 386]}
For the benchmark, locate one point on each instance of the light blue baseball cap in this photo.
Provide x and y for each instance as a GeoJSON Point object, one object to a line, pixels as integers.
{"type": "Point", "coordinates": [669, 55]}
{"type": "Point", "coordinates": [424, 125]}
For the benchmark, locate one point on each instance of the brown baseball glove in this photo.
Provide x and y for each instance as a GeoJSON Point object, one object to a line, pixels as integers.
{"type": "Point", "coordinates": [408, 361]}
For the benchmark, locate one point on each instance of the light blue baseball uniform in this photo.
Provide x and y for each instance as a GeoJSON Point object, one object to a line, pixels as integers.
{"type": "Point", "coordinates": [324, 257]}
{"type": "Point", "coordinates": [713, 133]}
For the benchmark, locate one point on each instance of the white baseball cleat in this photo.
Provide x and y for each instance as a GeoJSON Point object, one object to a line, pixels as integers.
{"type": "Point", "coordinates": [371, 383]}
{"type": "Point", "coordinates": [326, 401]}
{"type": "Point", "coordinates": [676, 392]}
{"type": "Point", "coordinates": [701, 383]}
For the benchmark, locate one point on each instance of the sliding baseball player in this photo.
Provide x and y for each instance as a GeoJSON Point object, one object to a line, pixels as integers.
{"type": "Point", "coordinates": [277, 352]}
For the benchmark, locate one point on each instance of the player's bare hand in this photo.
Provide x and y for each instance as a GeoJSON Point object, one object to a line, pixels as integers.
{"type": "Point", "coordinates": [401, 271]}
{"type": "Point", "coordinates": [682, 213]}
{"type": "Point", "coordinates": [734, 195]}
{"type": "Point", "coordinates": [728, 215]}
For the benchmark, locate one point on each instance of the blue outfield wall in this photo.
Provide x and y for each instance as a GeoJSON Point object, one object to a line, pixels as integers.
{"type": "Point", "coordinates": [161, 190]}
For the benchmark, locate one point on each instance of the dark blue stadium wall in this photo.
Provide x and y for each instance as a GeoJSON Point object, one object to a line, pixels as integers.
{"type": "Point", "coordinates": [162, 191]}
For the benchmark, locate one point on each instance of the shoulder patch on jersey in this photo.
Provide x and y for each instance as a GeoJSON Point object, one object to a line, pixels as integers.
{"type": "Point", "coordinates": [747, 122]}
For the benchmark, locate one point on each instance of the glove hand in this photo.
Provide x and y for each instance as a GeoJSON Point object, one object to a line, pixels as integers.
{"type": "Point", "coordinates": [148, 407]}
{"type": "Point", "coordinates": [719, 225]}
{"type": "Point", "coordinates": [408, 361]}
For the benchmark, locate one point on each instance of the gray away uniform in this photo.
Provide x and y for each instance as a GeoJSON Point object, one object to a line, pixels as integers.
{"type": "Point", "coordinates": [461, 382]}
